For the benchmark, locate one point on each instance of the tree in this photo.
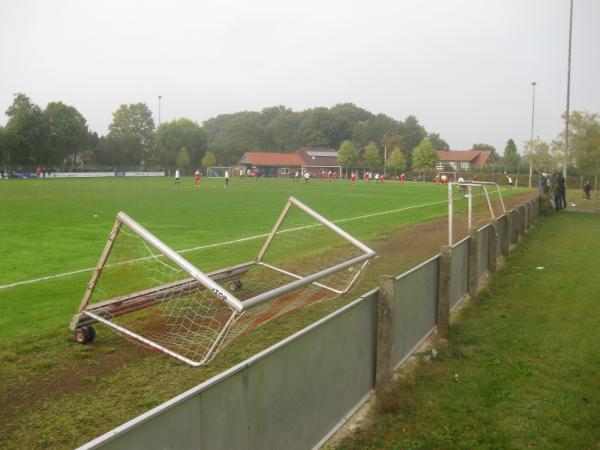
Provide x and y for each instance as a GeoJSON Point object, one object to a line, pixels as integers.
{"type": "Point", "coordinates": [111, 151]}
{"type": "Point", "coordinates": [348, 156]}
{"type": "Point", "coordinates": [397, 160]}
{"type": "Point", "coordinates": [511, 155]}
{"type": "Point", "coordinates": [437, 142]}
{"type": "Point", "coordinates": [183, 158]}
{"type": "Point", "coordinates": [538, 154]}
{"type": "Point", "coordinates": [585, 142]}
{"type": "Point", "coordinates": [372, 158]}
{"type": "Point", "coordinates": [134, 122]}
{"type": "Point", "coordinates": [424, 156]}
{"type": "Point", "coordinates": [209, 160]}
{"type": "Point", "coordinates": [413, 133]}
{"type": "Point", "coordinates": [26, 133]}
{"type": "Point", "coordinates": [172, 136]}
{"type": "Point", "coordinates": [68, 132]}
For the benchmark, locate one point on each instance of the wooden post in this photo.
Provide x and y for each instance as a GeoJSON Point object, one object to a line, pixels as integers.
{"type": "Point", "coordinates": [385, 327]}
{"type": "Point", "coordinates": [525, 217]}
{"type": "Point", "coordinates": [472, 279]}
{"type": "Point", "coordinates": [492, 246]}
{"type": "Point", "coordinates": [443, 304]}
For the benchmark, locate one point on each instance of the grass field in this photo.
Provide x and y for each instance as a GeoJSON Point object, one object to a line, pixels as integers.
{"type": "Point", "coordinates": [53, 227]}
{"type": "Point", "coordinates": [520, 369]}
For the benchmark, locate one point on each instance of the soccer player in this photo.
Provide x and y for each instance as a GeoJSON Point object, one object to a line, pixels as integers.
{"type": "Point", "coordinates": [509, 181]}
{"type": "Point", "coordinates": [306, 177]}
{"type": "Point", "coordinates": [353, 177]}
{"type": "Point", "coordinates": [402, 178]}
{"type": "Point", "coordinates": [226, 178]}
{"type": "Point", "coordinates": [197, 177]}
{"type": "Point", "coordinates": [177, 176]}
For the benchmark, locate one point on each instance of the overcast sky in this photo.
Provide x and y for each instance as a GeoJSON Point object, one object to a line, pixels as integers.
{"type": "Point", "coordinates": [463, 67]}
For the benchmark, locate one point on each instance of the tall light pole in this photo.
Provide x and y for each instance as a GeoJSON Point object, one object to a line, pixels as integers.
{"type": "Point", "coordinates": [568, 93]}
{"type": "Point", "coordinates": [159, 99]}
{"type": "Point", "coordinates": [533, 83]}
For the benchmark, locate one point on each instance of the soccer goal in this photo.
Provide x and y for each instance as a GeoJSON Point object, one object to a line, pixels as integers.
{"type": "Point", "coordinates": [147, 292]}
{"type": "Point", "coordinates": [467, 191]}
{"type": "Point", "coordinates": [218, 172]}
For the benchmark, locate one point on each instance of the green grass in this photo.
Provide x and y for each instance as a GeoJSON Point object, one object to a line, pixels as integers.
{"type": "Point", "coordinates": [521, 366]}
{"type": "Point", "coordinates": [49, 383]}
{"type": "Point", "coordinates": [50, 227]}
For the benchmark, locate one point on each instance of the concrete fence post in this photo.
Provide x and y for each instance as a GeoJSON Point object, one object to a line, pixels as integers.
{"type": "Point", "coordinates": [472, 278]}
{"type": "Point", "coordinates": [385, 326]}
{"type": "Point", "coordinates": [506, 234]}
{"type": "Point", "coordinates": [443, 304]}
{"type": "Point", "coordinates": [525, 217]}
{"type": "Point", "coordinates": [492, 246]}
{"type": "Point", "coordinates": [514, 229]}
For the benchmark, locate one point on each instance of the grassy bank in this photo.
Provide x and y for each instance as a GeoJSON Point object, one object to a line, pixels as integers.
{"type": "Point", "coordinates": [521, 365]}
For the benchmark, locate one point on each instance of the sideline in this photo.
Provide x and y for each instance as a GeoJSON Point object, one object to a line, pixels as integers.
{"type": "Point", "coordinates": [220, 244]}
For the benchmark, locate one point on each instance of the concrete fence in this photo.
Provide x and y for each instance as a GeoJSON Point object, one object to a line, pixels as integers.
{"type": "Point", "coordinates": [297, 393]}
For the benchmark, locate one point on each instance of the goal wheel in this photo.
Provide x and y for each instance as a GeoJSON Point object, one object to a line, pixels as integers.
{"type": "Point", "coordinates": [234, 285]}
{"type": "Point", "coordinates": [85, 335]}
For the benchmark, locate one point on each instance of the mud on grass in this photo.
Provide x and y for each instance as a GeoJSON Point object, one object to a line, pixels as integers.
{"type": "Point", "coordinates": [58, 394]}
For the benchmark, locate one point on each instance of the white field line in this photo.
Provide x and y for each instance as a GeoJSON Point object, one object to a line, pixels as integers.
{"type": "Point", "coordinates": [221, 244]}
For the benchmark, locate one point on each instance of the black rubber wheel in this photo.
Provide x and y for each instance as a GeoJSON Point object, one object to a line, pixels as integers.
{"type": "Point", "coordinates": [82, 335]}
{"type": "Point", "coordinates": [92, 334]}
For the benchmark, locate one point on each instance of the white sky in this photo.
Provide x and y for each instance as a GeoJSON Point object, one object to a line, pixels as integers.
{"type": "Point", "coordinates": [463, 67]}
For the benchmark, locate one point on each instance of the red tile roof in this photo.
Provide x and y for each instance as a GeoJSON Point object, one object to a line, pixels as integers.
{"type": "Point", "coordinates": [271, 159]}
{"type": "Point", "coordinates": [476, 157]}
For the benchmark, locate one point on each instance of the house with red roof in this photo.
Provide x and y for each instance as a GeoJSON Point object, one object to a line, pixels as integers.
{"type": "Point", "coordinates": [463, 160]}
{"type": "Point", "coordinates": [316, 161]}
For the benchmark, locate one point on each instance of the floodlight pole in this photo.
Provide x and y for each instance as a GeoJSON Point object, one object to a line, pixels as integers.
{"type": "Point", "coordinates": [568, 93]}
{"type": "Point", "coordinates": [533, 83]}
{"type": "Point", "coordinates": [159, 99]}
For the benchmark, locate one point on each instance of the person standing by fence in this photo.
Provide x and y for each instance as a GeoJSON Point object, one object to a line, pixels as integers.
{"type": "Point", "coordinates": [587, 187]}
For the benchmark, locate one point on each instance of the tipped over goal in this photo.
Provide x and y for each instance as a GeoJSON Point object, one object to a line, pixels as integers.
{"type": "Point", "coordinates": [147, 292]}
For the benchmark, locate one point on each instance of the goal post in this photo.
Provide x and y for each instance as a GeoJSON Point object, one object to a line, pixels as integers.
{"type": "Point", "coordinates": [218, 172]}
{"type": "Point", "coordinates": [467, 189]}
{"type": "Point", "coordinates": [149, 293]}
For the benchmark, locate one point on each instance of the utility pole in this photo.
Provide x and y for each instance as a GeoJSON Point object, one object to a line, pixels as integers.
{"type": "Point", "coordinates": [533, 83]}
{"type": "Point", "coordinates": [568, 93]}
{"type": "Point", "coordinates": [159, 99]}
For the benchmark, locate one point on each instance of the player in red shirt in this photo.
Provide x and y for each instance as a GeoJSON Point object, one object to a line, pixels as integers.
{"type": "Point", "coordinates": [353, 177]}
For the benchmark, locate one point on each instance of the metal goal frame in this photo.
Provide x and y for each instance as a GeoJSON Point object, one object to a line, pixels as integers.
{"type": "Point", "coordinates": [89, 314]}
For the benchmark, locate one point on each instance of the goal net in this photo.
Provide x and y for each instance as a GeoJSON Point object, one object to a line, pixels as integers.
{"type": "Point", "coordinates": [218, 172]}
{"type": "Point", "coordinates": [150, 294]}
{"type": "Point", "coordinates": [470, 202]}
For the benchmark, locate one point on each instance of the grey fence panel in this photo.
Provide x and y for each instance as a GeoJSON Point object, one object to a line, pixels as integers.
{"type": "Point", "coordinates": [483, 236]}
{"type": "Point", "coordinates": [459, 273]}
{"type": "Point", "coordinates": [414, 308]}
{"type": "Point", "coordinates": [289, 396]}
{"type": "Point", "coordinates": [501, 224]}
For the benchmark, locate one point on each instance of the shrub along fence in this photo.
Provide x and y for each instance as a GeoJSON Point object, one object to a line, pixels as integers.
{"type": "Point", "coordinates": [298, 392]}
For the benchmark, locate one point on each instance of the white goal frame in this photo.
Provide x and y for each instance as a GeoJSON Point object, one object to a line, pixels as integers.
{"type": "Point", "coordinates": [469, 185]}
{"type": "Point", "coordinates": [101, 312]}
{"type": "Point", "coordinates": [211, 170]}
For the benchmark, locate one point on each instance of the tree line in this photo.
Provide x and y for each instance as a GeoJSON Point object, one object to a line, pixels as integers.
{"type": "Point", "coordinates": [59, 136]}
